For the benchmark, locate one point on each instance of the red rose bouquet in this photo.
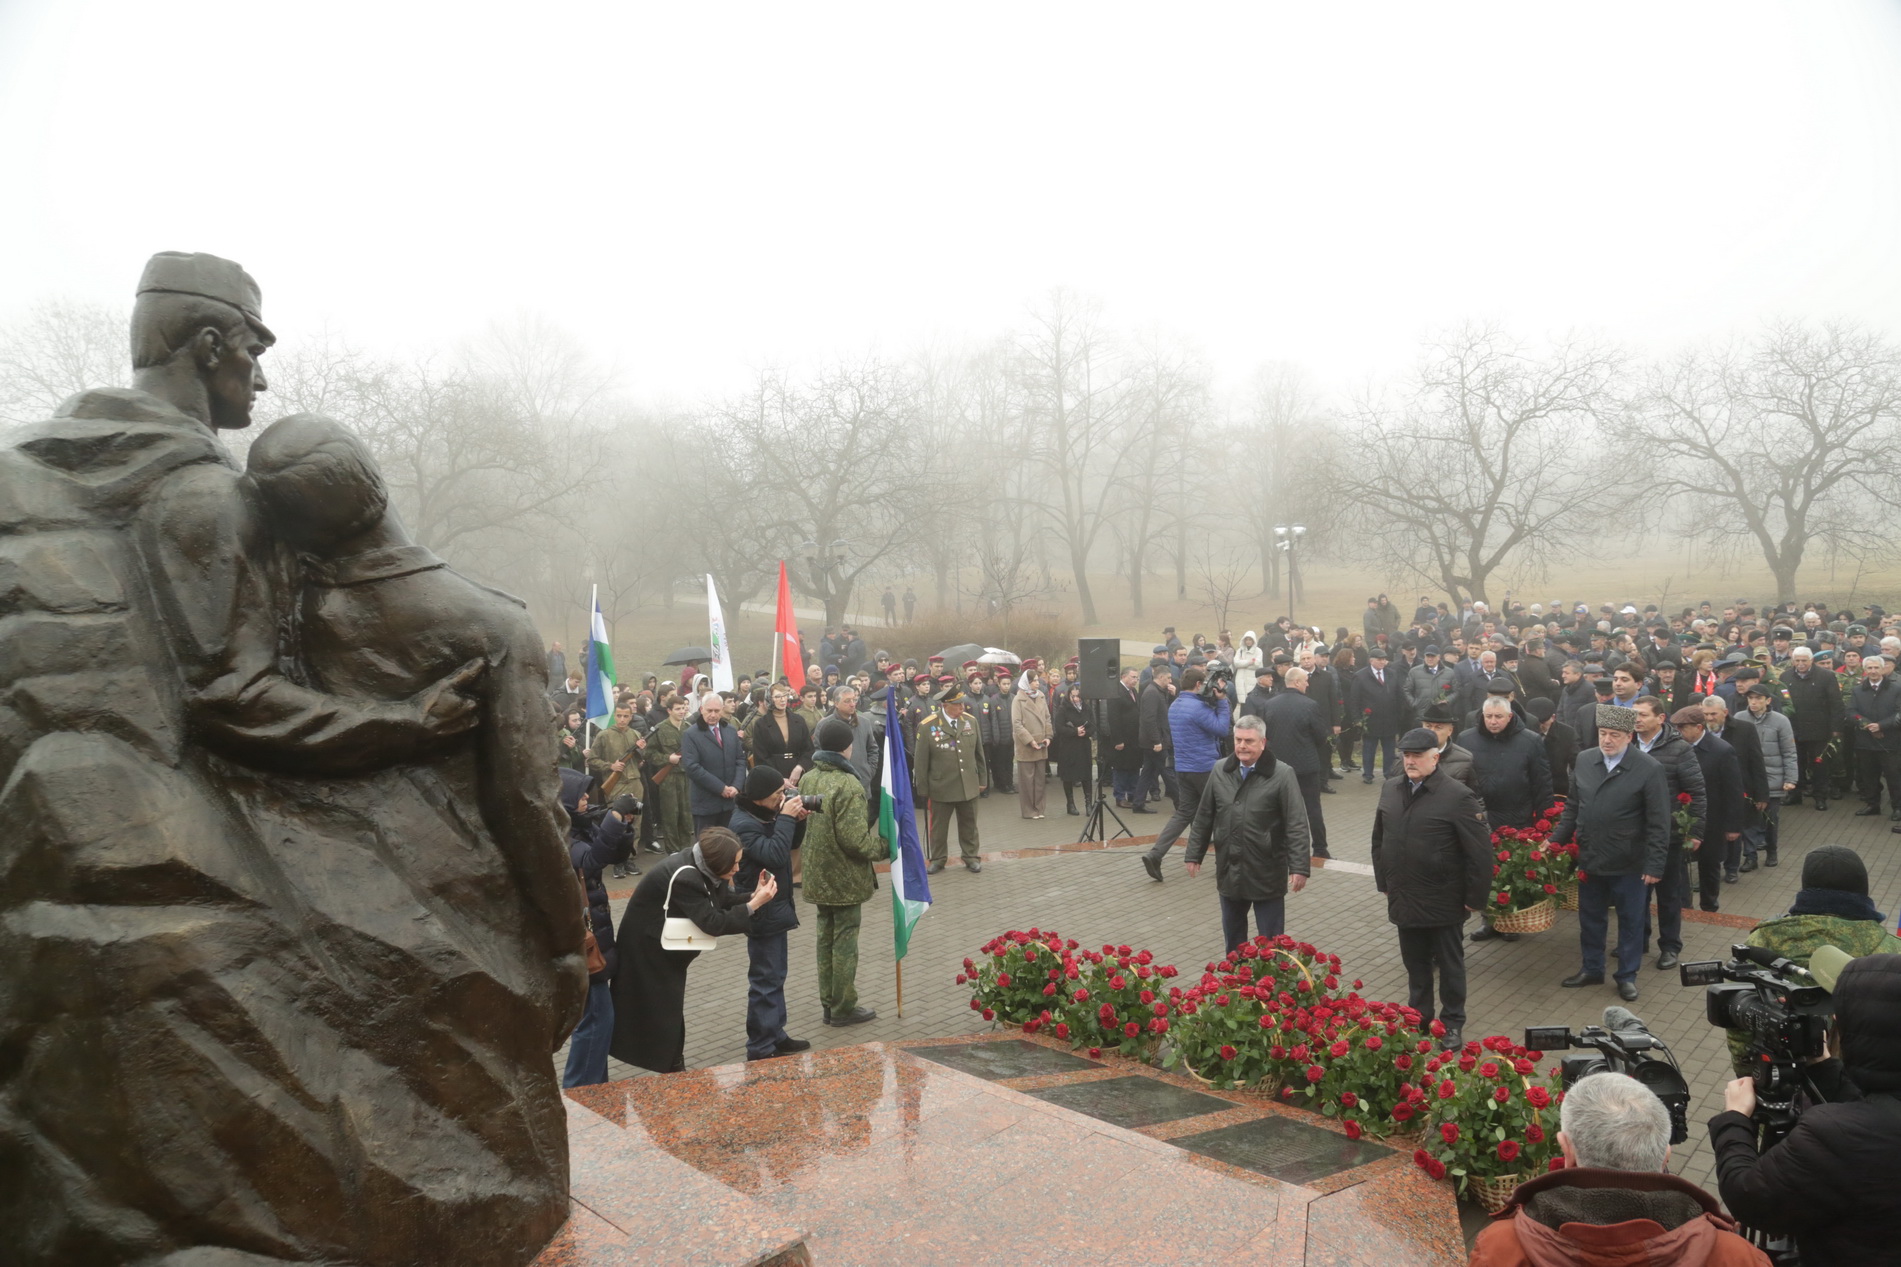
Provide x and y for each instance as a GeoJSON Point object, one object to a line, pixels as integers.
{"type": "Point", "coordinates": [1021, 977]}
{"type": "Point", "coordinates": [1232, 1022]}
{"type": "Point", "coordinates": [1358, 1061]}
{"type": "Point", "coordinates": [1492, 1116]}
{"type": "Point", "coordinates": [1527, 868]}
{"type": "Point", "coordinates": [1118, 997]}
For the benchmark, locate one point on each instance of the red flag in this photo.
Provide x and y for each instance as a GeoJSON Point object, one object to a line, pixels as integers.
{"type": "Point", "coordinates": [787, 628]}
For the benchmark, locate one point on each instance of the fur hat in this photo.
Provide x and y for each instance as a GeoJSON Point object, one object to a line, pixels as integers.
{"type": "Point", "coordinates": [1613, 717]}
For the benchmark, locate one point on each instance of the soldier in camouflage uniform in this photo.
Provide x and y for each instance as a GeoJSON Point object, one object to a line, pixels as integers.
{"type": "Point", "coordinates": [673, 815]}
{"type": "Point", "coordinates": [839, 850]}
{"type": "Point", "coordinates": [1831, 909]}
{"type": "Point", "coordinates": [948, 763]}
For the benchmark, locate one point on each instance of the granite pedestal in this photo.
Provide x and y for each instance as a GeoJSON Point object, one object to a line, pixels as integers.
{"type": "Point", "coordinates": [992, 1149]}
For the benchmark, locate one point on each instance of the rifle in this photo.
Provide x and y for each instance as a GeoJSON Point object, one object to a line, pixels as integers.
{"type": "Point", "coordinates": [614, 777]}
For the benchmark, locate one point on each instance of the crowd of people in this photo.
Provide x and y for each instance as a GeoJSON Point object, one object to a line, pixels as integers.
{"type": "Point", "coordinates": [1665, 744]}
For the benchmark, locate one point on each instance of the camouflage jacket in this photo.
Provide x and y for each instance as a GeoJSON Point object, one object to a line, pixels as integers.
{"type": "Point", "coordinates": [1796, 937]}
{"type": "Point", "coordinates": [840, 845]}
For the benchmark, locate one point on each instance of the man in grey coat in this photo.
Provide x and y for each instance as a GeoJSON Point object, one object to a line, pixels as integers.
{"type": "Point", "coordinates": [1781, 769]}
{"type": "Point", "coordinates": [1427, 683]}
{"type": "Point", "coordinates": [1657, 739]}
{"type": "Point", "coordinates": [1619, 812]}
{"type": "Point", "coordinates": [1252, 806]}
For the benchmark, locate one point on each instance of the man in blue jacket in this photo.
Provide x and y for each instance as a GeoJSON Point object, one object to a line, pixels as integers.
{"type": "Point", "coordinates": [767, 824]}
{"type": "Point", "coordinates": [1198, 725]}
{"type": "Point", "coordinates": [712, 757]}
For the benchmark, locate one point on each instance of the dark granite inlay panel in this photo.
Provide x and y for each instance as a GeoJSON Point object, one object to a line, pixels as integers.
{"type": "Point", "coordinates": [1283, 1149]}
{"type": "Point", "coordinates": [1132, 1101]}
{"type": "Point", "coordinates": [1006, 1058]}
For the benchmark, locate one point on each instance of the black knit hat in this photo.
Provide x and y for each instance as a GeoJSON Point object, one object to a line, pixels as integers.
{"type": "Point", "coordinates": [761, 781]}
{"type": "Point", "coordinates": [834, 735]}
{"type": "Point", "coordinates": [1835, 867]}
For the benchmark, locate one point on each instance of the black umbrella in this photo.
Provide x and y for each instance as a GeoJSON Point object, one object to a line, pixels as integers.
{"type": "Point", "coordinates": [689, 655]}
{"type": "Point", "coordinates": [961, 652]}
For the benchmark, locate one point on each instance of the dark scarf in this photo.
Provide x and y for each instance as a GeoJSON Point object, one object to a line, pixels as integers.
{"type": "Point", "coordinates": [1837, 902]}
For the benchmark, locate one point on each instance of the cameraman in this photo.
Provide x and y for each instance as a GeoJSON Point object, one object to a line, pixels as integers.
{"type": "Point", "coordinates": [767, 824]}
{"type": "Point", "coordinates": [1831, 909]}
{"type": "Point", "coordinates": [1613, 1202]}
{"type": "Point", "coordinates": [1835, 1182]}
{"type": "Point", "coordinates": [1198, 726]}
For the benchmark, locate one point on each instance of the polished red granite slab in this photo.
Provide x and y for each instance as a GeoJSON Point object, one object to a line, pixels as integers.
{"type": "Point", "coordinates": [860, 1154]}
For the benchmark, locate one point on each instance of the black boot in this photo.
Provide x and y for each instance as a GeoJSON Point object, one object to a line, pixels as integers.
{"type": "Point", "coordinates": [1069, 798]}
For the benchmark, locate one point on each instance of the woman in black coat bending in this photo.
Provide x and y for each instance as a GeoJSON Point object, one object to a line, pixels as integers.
{"type": "Point", "coordinates": [1073, 727]}
{"type": "Point", "coordinates": [650, 984]}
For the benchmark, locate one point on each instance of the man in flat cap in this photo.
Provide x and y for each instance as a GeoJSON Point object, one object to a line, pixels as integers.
{"type": "Point", "coordinates": [1619, 813]}
{"type": "Point", "coordinates": [1432, 858]}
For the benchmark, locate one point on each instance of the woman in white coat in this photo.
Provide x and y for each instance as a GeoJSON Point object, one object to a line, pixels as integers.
{"type": "Point", "coordinates": [1247, 662]}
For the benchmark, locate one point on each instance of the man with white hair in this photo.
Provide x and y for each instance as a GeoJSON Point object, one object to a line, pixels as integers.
{"type": "Point", "coordinates": [1815, 710]}
{"type": "Point", "coordinates": [1614, 1201]}
{"type": "Point", "coordinates": [1874, 718]}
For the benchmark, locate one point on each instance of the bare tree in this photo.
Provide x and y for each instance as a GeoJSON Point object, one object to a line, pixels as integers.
{"type": "Point", "coordinates": [810, 474]}
{"type": "Point", "coordinates": [1784, 444]}
{"type": "Point", "coordinates": [1075, 397]}
{"type": "Point", "coordinates": [1159, 489]}
{"type": "Point", "coordinates": [1277, 444]}
{"type": "Point", "coordinates": [1221, 576]}
{"type": "Point", "coordinates": [56, 349]}
{"type": "Point", "coordinates": [1474, 466]}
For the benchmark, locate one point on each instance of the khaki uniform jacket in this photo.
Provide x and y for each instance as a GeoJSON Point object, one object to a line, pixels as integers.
{"type": "Point", "coordinates": [1031, 726]}
{"type": "Point", "coordinates": [609, 746]}
{"type": "Point", "coordinates": [949, 762]}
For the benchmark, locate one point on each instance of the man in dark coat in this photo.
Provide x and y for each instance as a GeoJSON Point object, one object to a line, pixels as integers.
{"type": "Point", "coordinates": [1875, 721]}
{"type": "Point", "coordinates": [1323, 688]}
{"type": "Point", "coordinates": [1432, 858]}
{"type": "Point", "coordinates": [1723, 801]}
{"type": "Point", "coordinates": [1511, 773]}
{"type": "Point", "coordinates": [713, 758]}
{"type": "Point", "coordinates": [1535, 672]}
{"type": "Point", "coordinates": [1561, 743]}
{"type": "Point", "coordinates": [1155, 738]}
{"type": "Point", "coordinates": [1815, 710]}
{"type": "Point", "coordinates": [1298, 735]}
{"type": "Point", "coordinates": [1659, 740]}
{"type": "Point", "coordinates": [1454, 762]}
{"type": "Point", "coordinates": [1378, 703]}
{"type": "Point", "coordinates": [1122, 744]}
{"type": "Point", "coordinates": [1253, 812]}
{"type": "Point", "coordinates": [767, 824]}
{"type": "Point", "coordinates": [1619, 813]}
{"type": "Point", "coordinates": [1748, 745]}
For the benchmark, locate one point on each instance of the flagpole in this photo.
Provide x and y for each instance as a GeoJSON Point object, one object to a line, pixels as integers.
{"type": "Point", "coordinates": [900, 967]}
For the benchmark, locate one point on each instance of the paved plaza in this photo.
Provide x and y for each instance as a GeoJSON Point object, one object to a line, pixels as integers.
{"type": "Point", "coordinates": [1102, 895]}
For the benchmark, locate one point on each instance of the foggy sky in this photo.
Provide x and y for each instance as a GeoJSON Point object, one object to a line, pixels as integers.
{"type": "Point", "coordinates": [698, 190]}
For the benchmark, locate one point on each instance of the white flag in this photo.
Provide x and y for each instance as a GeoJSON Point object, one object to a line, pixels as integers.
{"type": "Point", "coordinates": [721, 670]}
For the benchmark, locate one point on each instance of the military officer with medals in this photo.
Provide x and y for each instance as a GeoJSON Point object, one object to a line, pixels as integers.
{"type": "Point", "coordinates": [948, 766]}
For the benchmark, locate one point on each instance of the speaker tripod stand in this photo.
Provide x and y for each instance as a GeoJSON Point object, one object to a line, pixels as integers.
{"type": "Point", "coordinates": [1101, 808]}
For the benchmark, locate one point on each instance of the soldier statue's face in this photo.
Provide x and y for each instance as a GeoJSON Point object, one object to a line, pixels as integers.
{"type": "Point", "coordinates": [235, 378]}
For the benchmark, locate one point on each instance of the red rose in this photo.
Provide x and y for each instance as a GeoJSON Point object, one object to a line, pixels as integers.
{"type": "Point", "coordinates": [1435, 1168]}
{"type": "Point", "coordinates": [1315, 1073]}
{"type": "Point", "coordinates": [1447, 1090]}
{"type": "Point", "coordinates": [1003, 980]}
{"type": "Point", "coordinates": [1131, 1029]}
{"type": "Point", "coordinates": [1227, 1052]}
{"type": "Point", "coordinates": [976, 1005]}
{"type": "Point", "coordinates": [1556, 1163]}
{"type": "Point", "coordinates": [989, 1015]}
{"type": "Point", "coordinates": [1403, 1112]}
{"type": "Point", "coordinates": [1080, 995]}
{"type": "Point", "coordinates": [1438, 1031]}
{"type": "Point", "coordinates": [1348, 1099]}
{"type": "Point", "coordinates": [1095, 1052]}
{"type": "Point", "coordinates": [1338, 1050]}
{"type": "Point", "coordinates": [1684, 798]}
{"type": "Point", "coordinates": [1147, 996]}
{"type": "Point", "coordinates": [1489, 1069]}
{"type": "Point", "coordinates": [1403, 1062]}
{"type": "Point", "coordinates": [1049, 990]}
{"type": "Point", "coordinates": [1524, 1067]}
{"type": "Point", "coordinates": [1507, 1149]}
{"type": "Point", "coordinates": [1062, 1030]}
{"type": "Point", "coordinates": [1449, 1132]}
{"type": "Point", "coordinates": [1504, 899]}
{"type": "Point", "coordinates": [1551, 888]}
{"type": "Point", "coordinates": [1539, 1097]}
{"type": "Point", "coordinates": [1535, 1133]}
{"type": "Point", "coordinates": [1277, 1052]}
{"type": "Point", "coordinates": [1353, 1130]}
{"type": "Point", "coordinates": [1502, 1094]}
{"type": "Point", "coordinates": [1466, 1062]}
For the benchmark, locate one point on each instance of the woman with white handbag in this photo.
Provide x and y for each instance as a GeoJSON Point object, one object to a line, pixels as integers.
{"type": "Point", "coordinates": [680, 908]}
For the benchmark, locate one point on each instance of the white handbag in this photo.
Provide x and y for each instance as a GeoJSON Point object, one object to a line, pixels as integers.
{"type": "Point", "coordinates": [679, 932]}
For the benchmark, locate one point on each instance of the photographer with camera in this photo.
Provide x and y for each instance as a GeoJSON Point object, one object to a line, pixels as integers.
{"type": "Point", "coordinates": [766, 821]}
{"type": "Point", "coordinates": [840, 850]}
{"type": "Point", "coordinates": [1831, 909]}
{"type": "Point", "coordinates": [1198, 726]}
{"type": "Point", "coordinates": [1614, 1202]}
{"type": "Point", "coordinates": [1834, 1182]}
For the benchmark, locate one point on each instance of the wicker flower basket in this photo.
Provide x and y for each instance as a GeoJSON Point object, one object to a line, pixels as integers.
{"type": "Point", "coordinates": [1535, 918]}
{"type": "Point", "coordinates": [1408, 1139]}
{"type": "Point", "coordinates": [1494, 1192]}
{"type": "Point", "coordinates": [1568, 895]}
{"type": "Point", "coordinates": [1269, 1086]}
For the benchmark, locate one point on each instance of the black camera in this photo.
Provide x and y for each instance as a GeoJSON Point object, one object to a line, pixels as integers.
{"type": "Point", "coordinates": [1218, 674]}
{"type": "Point", "coordinates": [1782, 1009]}
{"type": "Point", "coordinates": [1623, 1044]}
{"type": "Point", "coordinates": [813, 804]}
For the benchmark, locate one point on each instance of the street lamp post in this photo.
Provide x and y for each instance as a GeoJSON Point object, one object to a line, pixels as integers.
{"type": "Point", "coordinates": [1290, 535]}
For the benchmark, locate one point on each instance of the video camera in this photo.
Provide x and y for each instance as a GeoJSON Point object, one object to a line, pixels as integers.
{"type": "Point", "coordinates": [1216, 673]}
{"type": "Point", "coordinates": [1623, 1044]}
{"type": "Point", "coordinates": [1781, 1007]}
